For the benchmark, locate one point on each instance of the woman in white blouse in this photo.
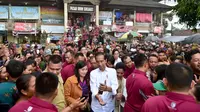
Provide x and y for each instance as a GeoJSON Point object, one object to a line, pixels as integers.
{"type": "Point", "coordinates": [115, 53]}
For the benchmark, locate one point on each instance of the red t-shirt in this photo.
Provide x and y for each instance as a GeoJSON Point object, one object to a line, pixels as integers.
{"type": "Point", "coordinates": [33, 105]}
{"type": "Point", "coordinates": [128, 71]}
{"type": "Point", "coordinates": [65, 64]}
{"type": "Point", "coordinates": [135, 82]}
{"type": "Point", "coordinates": [67, 72]}
{"type": "Point", "coordinates": [171, 102]}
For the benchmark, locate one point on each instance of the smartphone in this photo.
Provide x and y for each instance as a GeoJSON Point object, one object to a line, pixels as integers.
{"type": "Point", "coordinates": [18, 55]}
{"type": "Point", "coordinates": [1, 63]}
{"type": "Point", "coordinates": [100, 92]}
{"type": "Point", "coordinates": [143, 95]}
{"type": "Point", "coordinates": [85, 97]}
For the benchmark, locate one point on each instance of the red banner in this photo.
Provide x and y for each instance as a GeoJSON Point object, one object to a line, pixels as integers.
{"type": "Point", "coordinates": [29, 27]}
{"type": "Point", "coordinates": [143, 17]}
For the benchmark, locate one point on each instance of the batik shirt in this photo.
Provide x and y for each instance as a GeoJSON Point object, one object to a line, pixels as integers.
{"type": "Point", "coordinates": [8, 93]}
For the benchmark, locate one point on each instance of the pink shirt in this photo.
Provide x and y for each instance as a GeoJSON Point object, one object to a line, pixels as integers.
{"type": "Point", "coordinates": [171, 102]}
{"type": "Point", "coordinates": [34, 105]}
{"type": "Point", "coordinates": [135, 82]}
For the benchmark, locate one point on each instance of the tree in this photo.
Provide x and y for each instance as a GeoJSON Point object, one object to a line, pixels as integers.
{"type": "Point", "coordinates": [189, 12]}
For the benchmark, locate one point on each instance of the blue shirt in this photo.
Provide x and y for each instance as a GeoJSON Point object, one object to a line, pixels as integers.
{"type": "Point", "coordinates": [7, 92]}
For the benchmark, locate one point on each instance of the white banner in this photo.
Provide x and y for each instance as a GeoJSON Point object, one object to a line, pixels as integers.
{"type": "Point", "coordinates": [2, 26]}
{"type": "Point", "coordinates": [52, 29]}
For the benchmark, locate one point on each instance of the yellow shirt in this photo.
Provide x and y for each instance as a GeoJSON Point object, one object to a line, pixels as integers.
{"type": "Point", "coordinates": [59, 100]}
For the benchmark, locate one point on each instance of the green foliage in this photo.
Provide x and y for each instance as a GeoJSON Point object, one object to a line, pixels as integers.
{"type": "Point", "coordinates": [189, 12]}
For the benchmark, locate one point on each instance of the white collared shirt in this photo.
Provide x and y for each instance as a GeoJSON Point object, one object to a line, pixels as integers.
{"type": "Point", "coordinates": [124, 91]}
{"type": "Point", "coordinates": [96, 78]}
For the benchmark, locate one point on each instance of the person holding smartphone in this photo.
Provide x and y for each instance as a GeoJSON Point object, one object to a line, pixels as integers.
{"type": "Point", "coordinates": [76, 86]}
{"type": "Point", "coordinates": [104, 85]}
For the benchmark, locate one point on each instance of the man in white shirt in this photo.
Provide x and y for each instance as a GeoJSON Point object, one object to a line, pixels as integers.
{"type": "Point", "coordinates": [104, 83]}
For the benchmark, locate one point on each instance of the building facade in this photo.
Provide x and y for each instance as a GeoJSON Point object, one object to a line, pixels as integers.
{"type": "Point", "coordinates": [17, 22]}
{"type": "Point", "coordinates": [142, 16]}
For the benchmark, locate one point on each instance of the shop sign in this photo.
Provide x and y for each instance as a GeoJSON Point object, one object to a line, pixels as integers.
{"type": "Point", "coordinates": [3, 12]}
{"type": "Point", "coordinates": [52, 29]}
{"type": "Point", "coordinates": [2, 26]}
{"type": "Point", "coordinates": [122, 28]}
{"type": "Point", "coordinates": [129, 23]}
{"type": "Point", "coordinates": [18, 12]}
{"type": "Point", "coordinates": [158, 29]}
{"type": "Point", "coordinates": [52, 21]}
{"type": "Point", "coordinates": [105, 15]}
{"type": "Point", "coordinates": [106, 28]}
{"type": "Point", "coordinates": [28, 27]}
{"type": "Point", "coordinates": [81, 9]}
{"type": "Point", "coordinates": [105, 18]}
{"type": "Point", "coordinates": [52, 15]}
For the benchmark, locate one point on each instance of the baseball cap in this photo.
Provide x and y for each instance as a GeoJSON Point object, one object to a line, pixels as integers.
{"type": "Point", "coordinates": [159, 85]}
{"type": "Point", "coordinates": [47, 52]}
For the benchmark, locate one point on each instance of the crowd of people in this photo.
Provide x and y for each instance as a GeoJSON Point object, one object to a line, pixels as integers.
{"type": "Point", "coordinates": [64, 76]}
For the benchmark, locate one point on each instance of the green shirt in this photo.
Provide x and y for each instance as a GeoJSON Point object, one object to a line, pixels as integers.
{"type": "Point", "coordinates": [7, 93]}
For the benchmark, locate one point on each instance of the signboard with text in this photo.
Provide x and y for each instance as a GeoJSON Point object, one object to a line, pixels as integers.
{"type": "Point", "coordinates": [105, 17]}
{"type": "Point", "coordinates": [19, 12]}
{"type": "Point", "coordinates": [2, 26]}
{"type": "Point", "coordinates": [81, 8]}
{"type": "Point", "coordinates": [3, 12]}
{"type": "Point", "coordinates": [25, 27]}
{"type": "Point", "coordinates": [52, 15]}
{"type": "Point", "coordinates": [52, 29]}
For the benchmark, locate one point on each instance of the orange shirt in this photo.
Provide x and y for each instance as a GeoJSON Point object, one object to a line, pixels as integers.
{"type": "Point", "coordinates": [72, 91]}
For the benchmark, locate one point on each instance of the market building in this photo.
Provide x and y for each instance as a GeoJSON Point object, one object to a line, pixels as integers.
{"type": "Point", "coordinates": [83, 12]}
{"type": "Point", "coordinates": [30, 20]}
{"type": "Point", "coordinates": [35, 20]}
{"type": "Point", "coordinates": [124, 15]}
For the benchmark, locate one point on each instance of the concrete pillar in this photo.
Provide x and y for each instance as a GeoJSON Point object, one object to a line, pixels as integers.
{"type": "Point", "coordinates": [152, 25]}
{"type": "Point", "coordinates": [97, 14]}
{"type": "Point", "coordinates": [134, 18]}
{"type": "Point", "coordinates": [39, 11]}
{"type": "Point", "coordinates": [161, 18]}
{"type": "Point", "coordinates": [152, 16]}
{"type": "Point", "coordinates": [66, 15]}
{"type": "Point", "coordinates": [113, 17]}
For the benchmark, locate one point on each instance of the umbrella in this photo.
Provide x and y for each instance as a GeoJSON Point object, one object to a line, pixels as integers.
{"type": "Point", "coordinates": [135, 34]}
{"type": "Point", "coordinates": [152, 38]}
{"type": "Point", "coordinates": [125, 36]}
{"type": "Point", "coordinates": [53, 37]}
{"type": "Point", "coordinates": [192, 39]}
{"type": "Point", "coordinates": [112, 38]}
{"type": "Point", "coordinates": [174, 38]}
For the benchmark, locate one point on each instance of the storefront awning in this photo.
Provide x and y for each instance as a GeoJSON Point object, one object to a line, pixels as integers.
{"type": "Point", "coordinates": [138, 3]}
